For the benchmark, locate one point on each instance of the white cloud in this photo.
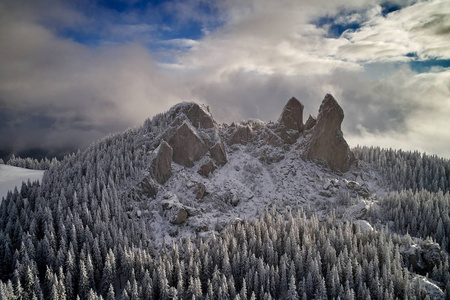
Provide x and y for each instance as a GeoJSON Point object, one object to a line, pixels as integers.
{"type": "Point", "coordinates": [264, 53]}
{"type": "Point", "coordinates": [422, 102]}
{"type": "Point", "coordinates": [422, 28]}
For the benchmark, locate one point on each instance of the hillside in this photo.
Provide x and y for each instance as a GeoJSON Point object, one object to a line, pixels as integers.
{"type": "Point", "coordinates": [11, 177]}
{"type": "Point", "coordinates": [186, 208]}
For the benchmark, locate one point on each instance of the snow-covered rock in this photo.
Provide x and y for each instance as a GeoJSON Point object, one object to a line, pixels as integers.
{"type": "Point", "coordinates": [187, 145]}
{"type": "Point", "coordinates": [162, 163]}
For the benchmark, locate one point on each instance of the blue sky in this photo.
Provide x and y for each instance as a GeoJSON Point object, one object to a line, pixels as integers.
{"type": "Point", "coordinates": [74, 71]}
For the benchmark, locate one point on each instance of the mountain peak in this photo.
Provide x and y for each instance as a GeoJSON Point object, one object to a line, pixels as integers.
{"type": "Point", "coordinates": [292, 115]}
{"type": "Point", "coordinates": [198, 114]}
{"type": "Point", "coordinates": [327, 140]}
{"type": "Point", "coordinates": [193, 138]}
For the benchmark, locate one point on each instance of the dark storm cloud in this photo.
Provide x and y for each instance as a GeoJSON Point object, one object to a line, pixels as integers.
{"type": "Point", "coordinates": [56, 93]}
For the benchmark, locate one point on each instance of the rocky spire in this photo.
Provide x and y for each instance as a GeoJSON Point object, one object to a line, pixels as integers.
{"type": "Point", "coordinates": [326, 141]}
{"type": "Point", "coordinates": [292, 116]}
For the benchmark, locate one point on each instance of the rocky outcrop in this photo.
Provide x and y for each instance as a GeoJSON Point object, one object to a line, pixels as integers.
{"type": "Point", "coordinates": [148, 187]}
{"type": "Point", "coordinates": [162, 163]}
{"type": "Point", "coordinates": [197, 115]}
{"type": "Point", "coordinates": [207, 168]}
{"type": "Point", "coordinates": [193, 135]}
{"type": "Point", "coordinates": [200, 191]}
{"type": "Point", "coordinates": [241, 135]}
{"type": "Point", "coordinates": [326, 141]}
{"type": "Point", "coordinates": [424, 257]}
{"type": "Point", "coordinates": [292, 116]}
{"type": "Point", "coordinates": [310, 122]}
{"type": "Point", "coordinates": [187, 145]}
{"type": "Point", "coordinates": [219, 154]}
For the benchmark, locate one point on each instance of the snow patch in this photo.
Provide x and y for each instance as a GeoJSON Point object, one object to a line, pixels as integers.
{"type": "Point", "coordinates": [11, 177]}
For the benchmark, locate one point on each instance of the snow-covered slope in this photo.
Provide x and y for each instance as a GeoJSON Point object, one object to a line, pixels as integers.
{"type": "Point", "coordinates": [10, 177]}
{"type": "Point", "coordinates": [221, 203]}
{"type": "Point", "coordinates": [243, 187]}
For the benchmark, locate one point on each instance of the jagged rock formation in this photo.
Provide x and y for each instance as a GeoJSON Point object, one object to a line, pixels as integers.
{"type": "Point", "coordinates": [193, 136]}
{"type": "Point", "coordinates": [162, 163]}
{"type": "Point", "coordinates": [187, 145]}
{"type": "Point", "coordinates": [197, 115]}
{"type": "Point", "coordinates": [310, 122]}
{"type": "Point", "coordinates": [292, 116]}
{"type": "Point", "coordinates": [219, 154]}
{"type": "Point", "coordinates": [326, 141]}
{"type": "Point", "coordinates": [240, 135]}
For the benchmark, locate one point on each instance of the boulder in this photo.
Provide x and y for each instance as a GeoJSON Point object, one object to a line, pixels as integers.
{"type": "Point", "coordinates": [149, 187]}
{"type": "Point", "coordinates": [310, 122]}
{"type": "Point", "coordinates": [241, 135]}
{"type": "Point", "coordinates": [177, 215]}
{"type": "Point", "coordinates": [175, 212]}
{"type": "Point", "coordinates": [187, 145]}
{"type": "Point", "coordinates": [162, 163]}
{"type": "Point", "coordinates": [291, 117]}
{"type": "Point", "coordinates": [200, 191]}
{"type": "Point", "coordinates": [207, 168]}
{"type": "Point", "coordinates": [219, 154]}
{"type": "Point", "coordinates": [326, 141]}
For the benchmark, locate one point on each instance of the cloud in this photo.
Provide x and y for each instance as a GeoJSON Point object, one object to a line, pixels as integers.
{"type": "Point", "coordinates": [422, 28]}
{"type": "Point", "coordinates": [60, 90]}
{"type": "Point", "coordinates": [412, 115]}
{"type": "Point", "coordinates": [57, 93]}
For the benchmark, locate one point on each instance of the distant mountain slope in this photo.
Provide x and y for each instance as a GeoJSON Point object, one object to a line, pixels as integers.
{"type": "Point", "coordinates": [10, 177]}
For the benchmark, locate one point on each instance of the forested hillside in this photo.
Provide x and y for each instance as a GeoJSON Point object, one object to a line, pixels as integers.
{"type": "Point", "coordinates": [71, 237]}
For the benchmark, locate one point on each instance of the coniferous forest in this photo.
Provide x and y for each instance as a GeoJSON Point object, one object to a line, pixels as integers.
{"type": "Point", "coordinates": [69, 237]}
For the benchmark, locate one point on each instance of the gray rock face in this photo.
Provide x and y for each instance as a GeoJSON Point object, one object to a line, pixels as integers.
{"type": "Point", "coordinates": [196, 114]}
{"type": "Point", "coordinates": [161, 165]}
{"type": "Point", "coordinates": [198, 117]}
{"type": "Point", "coordinates": [310, 122]}
{"type": "Point", "coordinates": [241, 135]}
{"type": "Point", "coordinates": [192, 135]}
{"type": "Point", "coordinates": [292, 116]}
{"type": "Point", "coordinates": [187, 146]}
{"type": "Point", "coordinates": [288, 136]}
{"type": "Point", "coordinates": [326, 141]}
{"type": "Point", "coordinates": [219, 154]}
